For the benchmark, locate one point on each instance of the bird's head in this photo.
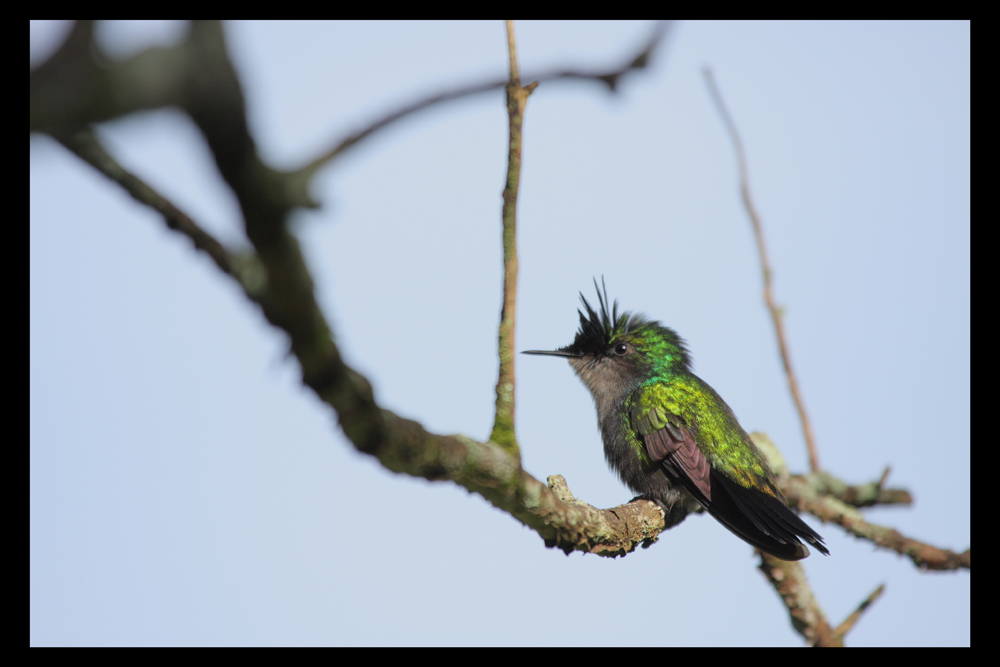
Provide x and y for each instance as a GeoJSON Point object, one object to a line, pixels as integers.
{"type": "Point", "coordinates": [614, 353]}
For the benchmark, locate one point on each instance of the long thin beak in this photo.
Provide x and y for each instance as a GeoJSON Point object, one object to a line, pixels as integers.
{"type": "Point", "coordinates": [554, 353]}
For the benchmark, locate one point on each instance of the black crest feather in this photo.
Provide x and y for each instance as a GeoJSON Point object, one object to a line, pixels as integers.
{"type": "Point", "coordinates": [599, 327]}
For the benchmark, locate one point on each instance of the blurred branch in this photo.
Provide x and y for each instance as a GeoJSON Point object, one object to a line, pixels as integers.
{"type": "Point", "coordinates": [851, 620]}
{"type": "Point", "coordinates": [788, 578]}
{"type": "Point", "coordinates": [869, 494]}
{"type": "Point", "coordinates": [86, 146]}
{"type": "Point", "coordinates": [830, 500]}
{"type": "Point", "coordinates": [275, 276]}
{"type": "Point", "coordinates": [772, 307]}
{"type": "Point", "coordinates": [809, 494]}
{"type": "Point", "coordinates": [808, 619]}
{"type": "Point", "coordinates": [609, 77]}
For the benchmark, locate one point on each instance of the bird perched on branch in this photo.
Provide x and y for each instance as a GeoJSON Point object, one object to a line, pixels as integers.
{"type": "Point", "coordinates": [670, 437]}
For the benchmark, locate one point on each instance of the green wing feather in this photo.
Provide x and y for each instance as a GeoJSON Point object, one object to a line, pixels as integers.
{"type": "Point", "coordinates": [718, 464]}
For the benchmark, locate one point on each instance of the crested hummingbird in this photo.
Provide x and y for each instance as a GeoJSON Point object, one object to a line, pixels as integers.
{"type": "Point", "coordinates": [671, 438]}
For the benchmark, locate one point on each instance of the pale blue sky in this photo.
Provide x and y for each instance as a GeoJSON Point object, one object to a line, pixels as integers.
{"type": "Point", "coordinates": [185, 488]}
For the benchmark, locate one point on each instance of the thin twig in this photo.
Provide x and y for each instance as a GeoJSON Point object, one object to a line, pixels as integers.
{"type": "Point", "coordinates": [772, 307]}
{"type": "Point", "coordinates": [885, 476]}
{"type": "Point", "coordinates": [811, 493]}
{"type": "Point", "coordinates": [609, 77]}
{"type": "Point", "coordinates": [515, 74]}
{"type": "Point", "coordinates": [851, 620]}
{"type": "Point", "coordinates": [517, 97]}
{"type": "Point", "coordinates": [87, 147]}
{"type": "Point", "coordinates": [869, 494]}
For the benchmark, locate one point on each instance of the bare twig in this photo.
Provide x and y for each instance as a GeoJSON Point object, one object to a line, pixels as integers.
{"type": "Point", "coordinates": [868, 494]}
{"type": "Point", "coordinates": [609, 77]}
{"type": "Point", "coordinates": [515, 74]}
{"type": "Point", "coordinates": [86, 146]}
{"type": "Point", "coordinates": [851, 620]}
{"type": "Point", "coordinates": [810, 493]}
{"type": "Point", "coordinates": [884, 477]}
{"type": "Point", "coordinates": [772, 307]}
{"type": "Point", "coordinates": [517, 97]}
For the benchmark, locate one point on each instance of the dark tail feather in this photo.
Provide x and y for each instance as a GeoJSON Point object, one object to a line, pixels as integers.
{"type": "Point", "coordinates": [760, 520]}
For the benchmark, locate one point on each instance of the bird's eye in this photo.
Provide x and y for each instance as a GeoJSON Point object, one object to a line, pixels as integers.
{"type": "Point", "coordinates": [621, 349]}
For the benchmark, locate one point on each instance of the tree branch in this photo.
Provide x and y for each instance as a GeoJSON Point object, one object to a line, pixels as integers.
{"type": "Point", "coordinates": [517, 98]}
{"type": "Point", "coordinates": [852, 620]}
{"type": "Point", "coordinates": [777, 316]}
{"type": "Point", "coordinates": [277, 279]}
{"type": "Point", "coordinates": [788, 578]}
{"type": "Point", "coordinates": [609, 77]}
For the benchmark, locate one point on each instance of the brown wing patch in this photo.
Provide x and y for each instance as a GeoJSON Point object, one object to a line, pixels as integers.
{"type": "Point", "coordinates": [675, 445]}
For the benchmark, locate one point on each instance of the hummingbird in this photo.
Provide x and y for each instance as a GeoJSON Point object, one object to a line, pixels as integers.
{"type": "Point", "coordinates": [670, 437]}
